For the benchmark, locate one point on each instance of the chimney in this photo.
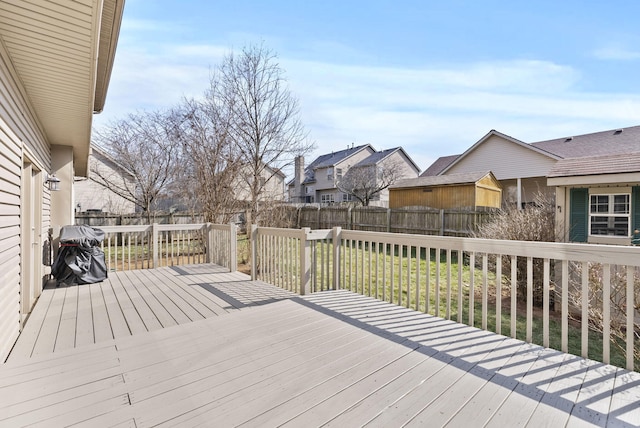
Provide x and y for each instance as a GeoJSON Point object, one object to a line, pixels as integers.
{"type": "Point", "coordinates": [299, 177]}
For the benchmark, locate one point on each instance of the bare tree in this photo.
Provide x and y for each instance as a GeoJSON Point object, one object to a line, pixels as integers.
{"type": "Point", "coordinates": [366, 182]}
{"type": "Point", "coordinates": [264, 121]}
{"type": "Point", "coordinates": [142, 144]}
{"type": "Point", "coordinates": [211, 159]}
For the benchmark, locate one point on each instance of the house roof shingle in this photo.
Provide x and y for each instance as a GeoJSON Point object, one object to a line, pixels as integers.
{"type": "Point", "coordinates": [439, 165]}
{"type": "Point", "coordinates": [327, 160]}
{"type": "Point", "coordinates": [597, 165]}
{"type": "Point", "coordinates": [611, 142]}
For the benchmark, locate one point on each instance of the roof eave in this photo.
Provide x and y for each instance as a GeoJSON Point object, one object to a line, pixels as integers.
{"type": "Point", "coordinates": [112, 11]}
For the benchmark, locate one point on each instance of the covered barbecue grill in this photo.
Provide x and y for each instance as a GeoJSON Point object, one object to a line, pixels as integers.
{"type": "Point", "coordinates": [80, 259]}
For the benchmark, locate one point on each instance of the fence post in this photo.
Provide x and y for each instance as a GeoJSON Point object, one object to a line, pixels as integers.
{"type": "Point", "coordinates": [233, 247]}
{"type": "Point", "coordinates": [305, 262]}
{"type": "Point", "coordinates": [337, 242]}
{"type": "Point", "coordinates": [441, 222]}
{"type": "Point", "coordinates": [154, 243]}
{"type": "Point", "coordinates": [349, 219]}
{"type": "Point", "coordinates": [254, 257]}
{"type": "Point", "coordinates": [388, 220]}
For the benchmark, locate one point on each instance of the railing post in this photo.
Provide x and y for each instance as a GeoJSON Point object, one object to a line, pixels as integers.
{"type": "Point", "coordinates": [254, 257]}
{"type": "Point", "coordinates": [305, 262]}
{"type": "Point", "coordinates": [337, 242]}
{"type": "Point", "coordinates": [209, 242]}
{"type": "Point", "coordinates": [154, 243]}
{"type": "Point", "coordinates": [233, 247]}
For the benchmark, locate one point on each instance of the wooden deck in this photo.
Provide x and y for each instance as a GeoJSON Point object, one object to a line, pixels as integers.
{"type": "Point", "coordinates": [273, 359]}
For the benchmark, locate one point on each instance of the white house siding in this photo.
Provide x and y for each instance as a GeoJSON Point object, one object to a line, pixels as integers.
{"type": "Point", "coordinates": [506, 160]}
{"type": "Point", "coordinates": [91, 195]}
{"type": "Point", "coordinates": [20, 139]}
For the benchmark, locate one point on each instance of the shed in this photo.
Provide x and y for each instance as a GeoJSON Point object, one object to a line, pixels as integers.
{"type": "Point", "coordinates": [464, 190]}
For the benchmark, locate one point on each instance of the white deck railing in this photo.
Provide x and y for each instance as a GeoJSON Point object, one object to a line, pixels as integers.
{"type": "Point", "coordinates": [580, 288]}
{"type": "Point", "coordinates": [148, 246]}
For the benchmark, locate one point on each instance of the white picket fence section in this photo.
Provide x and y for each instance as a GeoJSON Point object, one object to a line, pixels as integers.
{"type": "Point", "coordinates": [397, 268]}
{"type": "Point", "coordinates": [149, 246]}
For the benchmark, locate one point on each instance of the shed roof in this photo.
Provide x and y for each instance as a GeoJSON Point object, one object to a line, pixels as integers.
{"type": "Point", "coordinates": [441, 180]}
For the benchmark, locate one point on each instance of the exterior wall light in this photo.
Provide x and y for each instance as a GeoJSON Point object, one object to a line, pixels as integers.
{"type": "Point", "coordinates": [53, 182]}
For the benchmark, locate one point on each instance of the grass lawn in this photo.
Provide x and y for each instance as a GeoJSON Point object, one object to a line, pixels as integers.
{"type": "Point", "coordinates": [413, 279]}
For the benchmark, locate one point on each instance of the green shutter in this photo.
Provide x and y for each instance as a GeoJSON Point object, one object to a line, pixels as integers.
{"type": "Point", "coordinates": [635, 215]}
{"type": "Point", "coordinates": [578, 215]}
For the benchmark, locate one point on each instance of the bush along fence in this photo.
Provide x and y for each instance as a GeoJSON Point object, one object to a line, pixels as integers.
{"type": "Point", "coordinates": [503, 286]}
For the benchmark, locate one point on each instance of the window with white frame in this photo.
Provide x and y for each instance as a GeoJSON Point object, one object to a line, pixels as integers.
{"type": "Point", "coordinates": [347, 197]}
{"type": "Point", "coordinates": [327, 198]}
{"type": "Point", "coordinates": [609, 214]}
{"type": "Point", "coordinates": [339, 173]}
{"type": "Point", "coordinates": [330, 173]}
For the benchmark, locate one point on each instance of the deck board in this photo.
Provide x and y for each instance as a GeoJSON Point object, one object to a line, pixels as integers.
{"type": "Point", "coordinates": [31, 330]}
{"type": "Point", "coordinates": [100, 316]}
{"type": "Point", "coordinates": [254, 355]}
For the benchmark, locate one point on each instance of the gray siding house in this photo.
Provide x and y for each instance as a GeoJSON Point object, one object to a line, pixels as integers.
{"type": "Point", "coordinates": [55, 63]}
{"type": "Point", "coordinates": [318, 182]}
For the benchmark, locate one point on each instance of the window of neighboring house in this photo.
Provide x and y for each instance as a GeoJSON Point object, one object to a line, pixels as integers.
{"type": "Point", "coordinates": [330, 174]}
{"type": "Point", "coordinates": [262, 181]}
{"type": "Point", "coordinates": [609, 214]}
{"type": "Point", "coordinates": [327, 199]}
{"type": "Point", "coordinates": [339, 173]}
{"type": "Point", "coordinates": [347, 197]}
{"type": "Point", "coordinates": [308, 189]}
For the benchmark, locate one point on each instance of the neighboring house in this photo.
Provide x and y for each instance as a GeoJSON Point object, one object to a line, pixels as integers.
{"type": "Point", "coordinates": [55, 63]}
{"type": "Point", "coordinates": [271, 180]}
{"type": "Point", "coordinates": [520, 168]}
{"type": "Point", "coordinates": [594, 178]}
{"type": "Point", "coordinates": [318, 182]}
{"type": "Point", "coordinates": [92, 196]}
{"type": "Point", "coordinates": [465, 190]}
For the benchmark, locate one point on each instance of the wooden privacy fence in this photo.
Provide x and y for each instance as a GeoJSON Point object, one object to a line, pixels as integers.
{"type": "Point", "coordinates": [489, 283]}
{"type": "Point", "coordinates": [149, 246]}
{"type": "Point", "coordinates": [416, 220]}
{"type": "Point", "coordinates": [105, 219]}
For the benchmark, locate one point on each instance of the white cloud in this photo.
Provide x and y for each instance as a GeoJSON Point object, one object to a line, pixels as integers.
{"type": "Point", "coordinates": [430, 111]}
{"type": "Point", "coordinates": [616, 53]}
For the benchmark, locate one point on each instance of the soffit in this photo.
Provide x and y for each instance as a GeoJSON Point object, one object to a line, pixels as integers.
{"type": "Point", "coordinates": [53, 46]}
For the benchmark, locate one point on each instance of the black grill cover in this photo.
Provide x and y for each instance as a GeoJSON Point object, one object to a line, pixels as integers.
{"type": "Point", "coordinates": [80, 259]}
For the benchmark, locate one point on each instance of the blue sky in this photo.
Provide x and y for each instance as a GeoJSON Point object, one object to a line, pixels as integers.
{"type": "Point", "coordinates": [433, 77]}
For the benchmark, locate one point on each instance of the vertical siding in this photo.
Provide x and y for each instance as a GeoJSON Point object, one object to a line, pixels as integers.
{"type": "Point", "coordinates": [19, 133]}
